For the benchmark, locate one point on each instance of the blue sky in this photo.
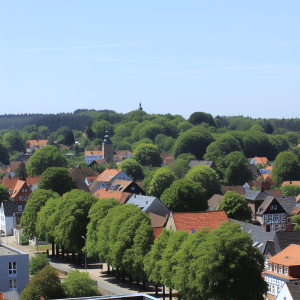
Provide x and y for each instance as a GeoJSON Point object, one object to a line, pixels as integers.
{"type": "Point", "coordinates": [178, 57]}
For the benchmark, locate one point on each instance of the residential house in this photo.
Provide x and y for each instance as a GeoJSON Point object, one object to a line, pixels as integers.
{"type": "Point", "coordinates": [33, 182]}
{"type": "Point", "coordinates": [149, 205]}
{"type": "Point", "coordinates": [258, 160]}
{"type": "Point", "coordinates": [214, 201]}
{"type": "Point", "coordinates": [193, 221]}
{"type": "Point", "coordinates": [255, 171]}
{"type": "Point", "coordinates": [90, 156]}
{"type": "Point", "coordinates": [110, 175]}
{"type": "Point", "coordinates": [282, 268]}
{"type": "Point", "coordinates": [80, 176]}
{"type": "Point", "coordinates": [158, 223]}
{"type": "Point", "coordinates": [13, 166]}
{"type": "Point", "coordinates": [10, 215]}
{"type": "Point", "coordinates": [238, 189]}
{"type": "Point", "coordinates": [128, 186]}
{"type": "Point", "coordinates": [14, 269]}
{"type": "Point", "coordinates": [290, 291]}
{"type": "Point", "coordinates": [96, 185]}
{"type": "Point", "coordinates": [208, 163]}
{"type": "Point", "coordinates": [121, 155]}
{"type": "Point", "coordinates": [35, 144]}
{"type": "Point", "coordinates": [18, 189]}
{"type": "Point", "coordinates": [121, 197]}
{"type": "Point", "coordinates": [99, 162]}
{"type": "Point", "coordinates": [290, 183]}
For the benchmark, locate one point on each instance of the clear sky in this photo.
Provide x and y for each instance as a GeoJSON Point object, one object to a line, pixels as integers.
{"type": "Point", "coordinates": [178, 57]}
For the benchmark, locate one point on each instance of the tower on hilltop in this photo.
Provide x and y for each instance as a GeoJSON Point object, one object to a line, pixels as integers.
{"type": "Point", "coordinates": [107, 148]}
{"type": "Point", "coordinates": [140, 108]}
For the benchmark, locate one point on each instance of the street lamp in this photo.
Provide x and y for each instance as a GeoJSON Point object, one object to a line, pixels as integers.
{"type": "Point", "coordinates": [85, 252]}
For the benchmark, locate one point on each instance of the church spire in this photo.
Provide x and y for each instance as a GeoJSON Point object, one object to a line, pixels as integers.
{"type": "Point", "coordinates": [140, 108]}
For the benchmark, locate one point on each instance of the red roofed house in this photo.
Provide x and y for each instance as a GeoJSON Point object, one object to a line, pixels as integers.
{"type": "Point", "coordinates": [121, 197]}
{"type": "Point", "coordinates": [259, 160]}
{"type": "Point", "coordinates": [282, 268]}
{"type": "Point", "coordinates": [110, 175]}
{"type": "Point", "coordinates": [193, 221]}
{"type": "Point", "coordinates": [33, 182]}
{"type": "Point", "coordinates": [290, 182]}
{"type": "Point", "coordinates": [18, 189]}
{"type": "Point", "coordinates": [35, 144]}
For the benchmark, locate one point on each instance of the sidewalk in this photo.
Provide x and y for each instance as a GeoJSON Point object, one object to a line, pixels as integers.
{"type": "Point", "coordinates": [107, 283]}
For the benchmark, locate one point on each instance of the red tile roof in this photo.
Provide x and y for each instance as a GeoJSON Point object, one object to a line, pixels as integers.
{"type": "Point", "coordinates": [290, 182]}
{"type": "Point", "coordinates": [261, 160]}
{"type": "Point", "coordinates": [108, 174]}
{"type": "Point", "coordinates": [121, 197]}
{"type": "Point", "coordinates": [90, 179]}
{"type": "Point", "coordinates": [91, 153]}
{"type": "Point", "coordinates": [298, 198]}
{"type": "Point", "coordinates": [195, 220]}
{"type": "Point", "coordinates": [157, 220]}
{"type": "Point", "coordinates": [238, 189]}
{"type": "Point", "coordinates": [157, 232]}
{"type": "Point", "coordinates": [31, 181]}
{"type": "Point", "coordinates": [290, 256]}
{"type": "Point", "coordinates": [35, 143]}
{"type": "Point", "coordinates": [10, 183]}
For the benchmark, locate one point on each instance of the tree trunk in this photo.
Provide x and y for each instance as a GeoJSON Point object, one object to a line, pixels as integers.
{"type": "Point", "coordinates": [63, 252]}
{"type": "Point", "coordinates": [137, 280]}
{"type": "Point", "coordinates": [108, 269]}
{"type": "Point", "coordinates": [144, 283]}
{"type": "Point", "coordinates": [170, 293]}
{"type": "Point", "coordinates": [57, 250]}
{"type": "Point", "coordinates": [113, 271]}
{"type": "Point", "coordinates": [130, 278]}
{"type": "Point", "coordinates": [118, 273]}
{"type": "Point", "coordinates": [53, 249]}
{"type": "Point", "coordinates": [79, 258]}
{"type": "Point", "coordinates": [67, 255]}
{"type": "Point", "coordinates": [164, 292]}
{"type": "Point", "coordinates": [123, 276]}
{"type": "Point", "coordinates": [156, 290]}
{"type": "Point", "coordinates": [73, 256]}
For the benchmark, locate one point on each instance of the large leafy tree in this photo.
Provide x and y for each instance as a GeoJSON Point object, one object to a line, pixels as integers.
{"type": "Point", "coordinates": [220, 264]}
{"type": "Point", "coordinates": [36, 201]}
{"type": "Point", "coordinates": [197, 118]}
{"type": "Point", "coordinates": [235, 206]}
{"type": "Point", "coordinates": [4, 156]}
{"type": "Point", "coordinates": [96, 214]}
{"type": "Point", "coordinates": [286, 167]}
{"type": "Point", "coordinates": [21, 171]}
{"type": "Point", "coordinates": [37, 263]}
{"type": "Point", "coordinates": [4, 194]}
{"type": "Point", "coordinates": [208, 178]}
{"type": "Point", "coordinates": [132, 168]}
{"type": "Point", "coordinates": [194, 141]}
{"type": "Point", "coordinates": [147, 155]}
{"type": "Point", "coordinates": [44, 284]}
{"type": "Point", "coordinates": [73, 221]}
{"type": "Point", "coordinates": [179, 167]}
{"type": "Point", "coordinates": [185, 195]}
{"type": "Point", "coordinates": [235, 169]}
{"type": "Point", "coordinates": [161, 180]}
{"type": "Point", "coordinates": [291, 190]}
{"type": "Point", "coordinates": [79, 284]}
{"type": "Point", "coordinates": [46, 157]}
{"type": "Point", "coordinates": [58, 180]}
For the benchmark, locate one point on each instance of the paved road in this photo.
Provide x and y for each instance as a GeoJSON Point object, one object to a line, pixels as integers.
{"type": "Point", "coordinates": [107, 284]}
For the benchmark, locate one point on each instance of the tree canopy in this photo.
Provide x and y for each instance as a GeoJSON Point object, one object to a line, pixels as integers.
{"type": "Point", "coordinates": [58, 180]}
{"type": "Point", "coordinates": [197, 118]}
{"type": "Point", "coordinates": [291, 190]}
{"type": "Point", "coordinates": [4, 194]}
{"type": "Point", "coordinates": [38, 263]}
{"type": "Point", "coordinates": [147, 155]}
{"type": "Point", "coordinates": [185, 195]}
{"type": "Point", "coordinates": [132, 168]}
{"type": "Point", "coordinates": [46, 157]}
{"type": "Point", "coordinates": [235, 206]}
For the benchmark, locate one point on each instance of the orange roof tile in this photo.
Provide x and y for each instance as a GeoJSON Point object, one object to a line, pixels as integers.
{"type": "Point", "coordinates": [90, 179]}
{"type": "Point", "coordinates": [195, 220]}
{"type": "Point", "coordinates": [35, 143]}
{"type": "Point", "coordinates": [265, 176]}
{"type": "Point", "coordinates": [108, 174]}
{"type": "Point", "coordinates": [261, 160]}
{"type": "Point", "coordinates": [18, 186]}
{"type": "Point", "coordinates": [121, 197]}
{"type": "Point", "coordinates": [31, 181]}
{"type": "Point", "coordinates": [90, 153]}
{"type": "Point", "coordinates": [298, 198]}
{"type": "Point", "coordinates": [290, 256]}
{"type": "Point", "coordinates": [296, 211]}
{"type": "Point", "coordinates": [269, 168]}
{"type": "Point", "coordinates": [157, 231]}
{"type": "Point", "coordinates": [10, 182]}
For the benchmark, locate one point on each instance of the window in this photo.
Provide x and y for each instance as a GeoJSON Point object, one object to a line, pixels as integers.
{"type": "Point", "coordinates": [275, 268]}
{"type": "Point", "coordinates": [275, 207]}
{"type": "Point", "coordinates": [20, 207]}
{"type": "Point", "coordinates": [271, 207]}
{"type": "Point", "coordinates": [25, 190]}
{"type": "Point", "coordinates": [12, 268]}
{"type": "Point", "coordinates": [283, 226]}
{"type": "Point", "coordinates": [25, 197]}
{"type": "Point", "coordinates": [280, 270]}
{"type": "Point", "coordinates": [270, 267]}
{"type": "Point", "coordinates": [20, 197]}
{"type": "Point", "coordinates": [286, 271]}
{"type": "Point", "coordinates": [13, 284]}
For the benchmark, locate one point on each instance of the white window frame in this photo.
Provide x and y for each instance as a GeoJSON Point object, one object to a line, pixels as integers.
{"type": "Point", "coordinates": [20, 207]}
{"type": "Point", "coordinates": [271, 207]}
{"type": "Point", "coordinates": [12, 268]}
{"type": "Point", "coordinates": [275, 268]}
{"type": "Point", "coordinates": [13, 284]}
{"type": "Point", "coordinates": [275, 207]}
{"type": "Point", "coordinates": [270, 267]}
{"type": "Point", "coordinates": [280, 269]}
{"type": "Point", "coordinates": [286, 271]}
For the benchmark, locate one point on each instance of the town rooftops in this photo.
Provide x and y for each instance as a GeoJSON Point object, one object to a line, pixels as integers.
{"type": "Point", "coordinates": [290, 256]}
{"type": "Point", "coordinates": [141, 201]}
{"type": "Point", "coordinates": [286, 238]}
{"type": "Point", "coordinates": [288, 203]}
{"type": "Point", "coordinates": [238, 189]}
{"type": "Point", "coordinates": [108, 174]}
{"type": "Point", "coordinates": [11, 207]}
{"type": "Point", "coordinates": [260, 160]}
{"type": "Point", "coordinates": [121, 197]}
{"type": "Point", "coordinates": [189, 221]}
{"type": "Point", "coordinates": [290, 183]}
{"type": "Point", "coordinates": [7, 250]}
{"type": "Point", "coordinates": [214, 201]}
{"type": "Point", "coordinates": [36, 143]}
{"type": "Point", "coordinates": [294, 289]}
{"type": "Point", "coordinates": [94, 153]}
{"type": "Point", "coordinates": [256, 195]}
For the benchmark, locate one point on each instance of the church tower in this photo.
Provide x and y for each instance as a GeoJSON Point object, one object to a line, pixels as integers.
{"type": "Point", "coordinates": [107, 148]}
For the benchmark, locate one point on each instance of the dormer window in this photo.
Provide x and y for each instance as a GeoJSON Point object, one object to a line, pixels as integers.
{"type": "Point", "coordinates": [270, 267]}
{"type": "Point", "coordinates": [275, 268]}
{"type": "Point", "coordinates": [286, 271]}
{"type": "Point", "coordinates": [275, 207]}
{"type": "Point", "coordinates": [271, 207]}
{"type": "Point", "coordinates": [280, 269]}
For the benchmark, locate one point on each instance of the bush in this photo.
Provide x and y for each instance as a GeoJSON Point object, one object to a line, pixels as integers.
{"type": "Point", "coordinates": [38, 263]}
{"type": "Point", "coordinates": [24, 239]}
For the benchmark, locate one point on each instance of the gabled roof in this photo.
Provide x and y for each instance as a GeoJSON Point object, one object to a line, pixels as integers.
{"type": "Point", "coordinates": [36, 143]}
{"type": "Point", "coordinates": [157, 231]}
{"type": "Point", "coordinates": [259, 236]}
{"type": "Point", "coordinates": [288, 203]}
{"type": "Point", "coordinates": [82, 173]}
{"type": "Point", "coordinates": [256, 195]}
{"type": "Point", "coordinates": [18, 186]}
{"type": "Point", "coordinates": [121, 197]}
{"type": "Point", "coordinates": [10, 183]}
{"type": "Point", "coordinates": [14, 165]}
{"type": "Point", "coordinates": [255, 171]}
{"type": "Point", "coordinates": [196, 220]}
{"type": "Point", "coordinates": [93, 153]}
{"type": "Point", "coordinates": [294, 289]}
{"type": "Point", "coordinates": [123, 184]}
{"type": "Point", "coordinates": [95, 184]}
{"type": "Point", "coordinates": [11, 207]}
{"type": "Point", "coordinates": [276, 193]}
{"type": "Point", "coordinates": [260, 160]}
{"type": "Point", "coordinates": [266, 203]}
{"type": "Point", "coordinates": [157, 220]}
{"type": "Point", "coordinates": [208, 163]}
{"type": "Point", "coordinates": [141, 201]}
{"type": "Point", "coordinates": [214, 201]}
{"type": "Point", "coordinates": [269, 168]}
{"type": "Point", "coordinates": [99, 162]}
{"type": "Point", "coordinates": [108, 174]}
{"type": "Point", "coordinates": [238, 189]}
{"type": "Point", "coordinates": [286, 238]}
{"type": "Point", "coordinates": [290, 256]}
{"type": "Point", "coordinates": [90, 179]}
{"type": "Point", "coordinates": [31, 181]}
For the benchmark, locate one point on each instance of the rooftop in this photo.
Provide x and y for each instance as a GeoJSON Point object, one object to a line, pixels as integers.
{"type": "Point", "coordinates": [7, 250]}
{"type": "Point", "coordinates": [290, 256]}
